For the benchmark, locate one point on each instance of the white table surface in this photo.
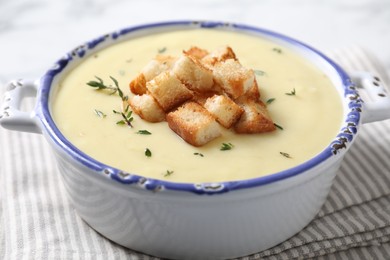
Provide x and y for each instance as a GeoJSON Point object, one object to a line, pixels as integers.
{"type": "Point", "coordinates": [35, 33]}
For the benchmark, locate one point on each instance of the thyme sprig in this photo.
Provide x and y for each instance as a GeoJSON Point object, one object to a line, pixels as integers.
{"type": "Point", "coordinates": [259, 72]}
{"type": "Point", "coordinates": [226, 146]}
{"type": "Point", "coordinates": [127, 117]}
{"type": "Point", "coordinates": [100, 113]}
{"type": "Point", "coordinates": [269, 101]}
{"type": "Point", "coordinates": [277, 50]}
{"type": "Point", "coordinates": [120, 92]}
{"type": "Point", "coordinates": [99, 85]}
{"type": "Point", "coordinates": [287, 155]}
{"type": "Point", "coordinates": [162, 50]}
{"type": "Point", "coordinates": [126, 114]}
{"type": "Point", "coordinates": [292, 93]}
{"type": "Point", "coordinates": [143, 132]}
{"type": "Point", "coordinates": [168, 173]}
{"type": "Point", "coordinates": [278, 126]}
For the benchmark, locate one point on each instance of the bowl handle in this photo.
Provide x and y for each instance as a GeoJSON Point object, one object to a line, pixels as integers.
{"type": "Point", "coordinates": [11, 115]}
{"type": "Point", "coordinates": [377, 104]}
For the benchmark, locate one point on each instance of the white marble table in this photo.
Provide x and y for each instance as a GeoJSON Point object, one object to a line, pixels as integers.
{"type": "Point", "coordinates": [35, 33]}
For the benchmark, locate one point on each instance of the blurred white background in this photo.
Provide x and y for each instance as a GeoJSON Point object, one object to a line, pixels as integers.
{"type": "Point", "coordinates": [35, 33]}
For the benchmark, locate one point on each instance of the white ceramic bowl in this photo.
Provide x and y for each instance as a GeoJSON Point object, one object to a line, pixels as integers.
{"type": "Point", "coordinates": [187, 220]}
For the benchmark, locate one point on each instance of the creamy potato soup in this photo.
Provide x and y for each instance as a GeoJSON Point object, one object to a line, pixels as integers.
{"type": "Point", "coordinates": [301, 101]}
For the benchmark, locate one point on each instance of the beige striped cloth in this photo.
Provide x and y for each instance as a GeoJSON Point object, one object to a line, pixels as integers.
{"type": "Point", "coordinates": [38, 222]}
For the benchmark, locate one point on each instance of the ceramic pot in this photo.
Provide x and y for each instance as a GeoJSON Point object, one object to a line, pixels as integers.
{"type": "Point", "coordinates": [188, 220]}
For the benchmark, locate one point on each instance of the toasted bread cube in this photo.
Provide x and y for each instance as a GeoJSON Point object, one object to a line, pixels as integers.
{"type": "Point", "coordinates": [201, 97]}
{"type": "Point", "coordinates": [159, 64]}
{"type": "Point", "coordinates": [254, 92]}
{"type": "Point", "coordinates": [168, 91]}
{"type": "Point", "coordinates": [196, 53]}
{"type": "Point", "coordinates": [147, 108]}
{"type": "Point", "coordinates": [255, 118]}
{"type": "Point", "coordinates": [138, 85]}
{"type": "Point", "coordinates": [193, 124]}
{"type": "Point", "coordinates": [235, 79]}
{"type": "Point", "coordinates": [218, 55]}
{"type": "Point", "coordinates": [193, 74]}
{"type": "Point", "coordinates": [224, 110]}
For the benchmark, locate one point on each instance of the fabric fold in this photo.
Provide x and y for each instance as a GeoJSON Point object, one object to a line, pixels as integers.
{"type": "Point", "coordinates": [339, 231]}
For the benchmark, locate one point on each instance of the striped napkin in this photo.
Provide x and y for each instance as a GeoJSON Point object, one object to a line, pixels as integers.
{"type": "Point", "coordinates": [38, 222]}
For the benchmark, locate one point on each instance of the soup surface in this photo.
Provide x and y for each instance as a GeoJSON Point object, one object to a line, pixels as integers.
{"type": "Point", "coordinates": [305, 106]}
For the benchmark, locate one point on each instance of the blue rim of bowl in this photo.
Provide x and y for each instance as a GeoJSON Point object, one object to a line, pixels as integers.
{"type": "Point", "coordinates": [340, 143]}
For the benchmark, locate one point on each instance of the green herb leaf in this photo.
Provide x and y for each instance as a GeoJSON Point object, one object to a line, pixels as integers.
{"type": "Point", "coordinates": [99, 85]}
{"type": "Point", "coordinates": [100, 113]}
{"type": "Point", "coordinates": [292, 93]}
{"type": "Point", "coordinates": [96, 84]}
{"type": "Point", "coordinates": [285, 155]}
{"type": "Point", "coordinates": [120, 92]}
{"type": "Point", "coordinates": [127, 108]}
{"type": "Point", "coordinates": [148, 153]}
{"type": "Point", "coordinates": [168, 173]}
{"type": "Point", "coordinates": [162, 50]}
{"type": "Point", "coordinates": [278, 126]}
{"type": "Point", "coordinates": [277, 50]}
{"type": "Point", "coordinates": [127, 119]}
{"type": "Point", "coordinates": [144, 132]}
{"type": "Point", "coordinates": [259, 72]}
{"type": "Point", "coordinates": [200, 154]}
{"type": "Point", "coordinates": [269, 101]}
{"type": "Point", "coordinates": [226, 146]}
{"type": "Point", "coordinates": [126, 114]}
{"type": "Point", "coordinates": [115, 81]}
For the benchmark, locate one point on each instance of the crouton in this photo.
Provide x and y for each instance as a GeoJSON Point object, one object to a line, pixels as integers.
{"type": "Point", "coordinates": [224, 110]}
{"type": "Point", "coordinates": [201, 97]}
{"type": "Point", "coordinates": [196, 53]}
{"type": "Point", "coordinates": [138, 85]}
{"type": "Point", "coordinates": [147, 108]}
{"type": "Point", "coordinates": [198, 93]}
{"type": "Point", "coordinates": [193, 124]}
{"type": "Point", "coordinates": [193, 74]}
{"type": "Point", "coordinates": [255, 118]}
{"type": "Point", "coordinates": [218, 55]}
{"type": "Point", "coordinates": [253, 92]}
{"type": "Point", "coordinates": [168, 91]}
{"type": "Point", "coordinates": [159, 64]}
{"type": "Point", "coordinates": [235, 79]}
